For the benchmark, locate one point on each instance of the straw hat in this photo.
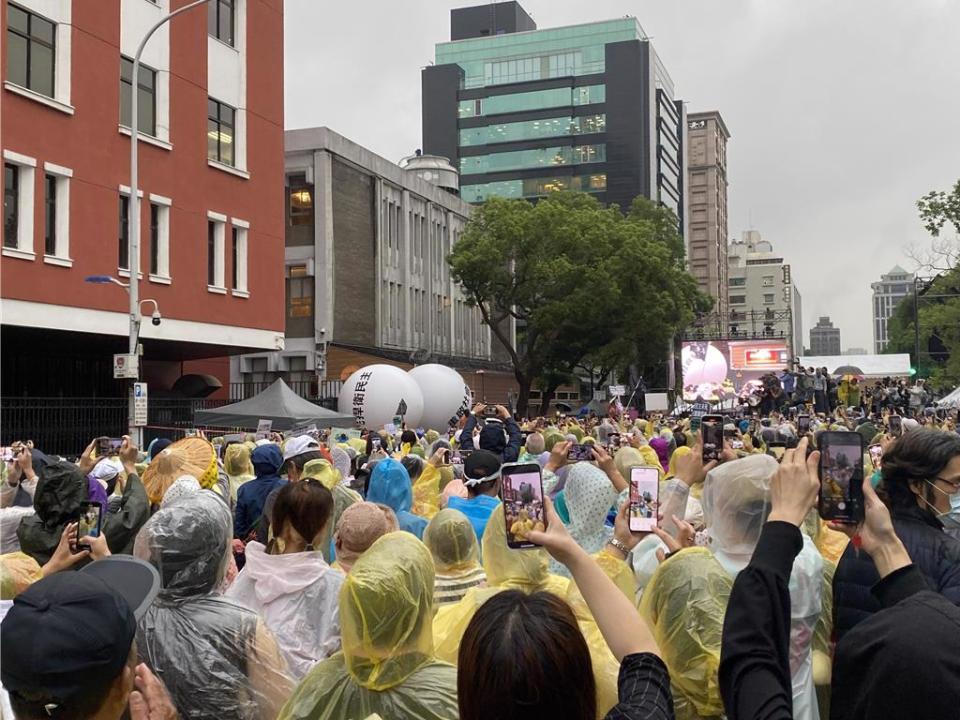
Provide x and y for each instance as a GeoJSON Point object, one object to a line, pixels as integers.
{"type": "Point", "coordinates": [190, 456]}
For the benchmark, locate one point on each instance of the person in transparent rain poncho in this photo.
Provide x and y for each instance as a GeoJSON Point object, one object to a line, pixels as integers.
{"type": "Point", "coordinates": [387, 665]}
{"type": "Point", "coordinates": [687, 596]}
{"type": "Point", "coordinates": [215, 656]}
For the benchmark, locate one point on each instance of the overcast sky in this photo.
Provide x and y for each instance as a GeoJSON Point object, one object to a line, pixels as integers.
{"type": "Point", "coordinates": [842, 114]}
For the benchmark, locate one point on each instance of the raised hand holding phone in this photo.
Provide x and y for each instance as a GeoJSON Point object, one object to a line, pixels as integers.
{"type": "Point", "coordinates": [794, 487]}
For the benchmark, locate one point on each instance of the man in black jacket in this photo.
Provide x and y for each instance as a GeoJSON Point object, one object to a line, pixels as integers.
{"type": "Point", "coordinates": [500, 435]}
{"type": "Point", "coordinates": [921, 471]}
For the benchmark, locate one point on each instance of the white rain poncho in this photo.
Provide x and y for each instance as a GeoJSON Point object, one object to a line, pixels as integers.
{"type": "Point", "coordinates": [214, 655]}
{"type": "Point", "coordinates": [297, 595]}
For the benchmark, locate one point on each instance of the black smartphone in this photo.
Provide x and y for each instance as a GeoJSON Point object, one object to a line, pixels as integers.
{"type": "Point", "coordinates": [803, 424]}
{"type": "Point", "coordinates": [711, 428]}
{"type": "Point", "coordinates": [577, 453]}
{"type": "Point", "coordinates": [644, 498]}
{"type": "Point", "coordinates": [777, 448]}
{"type": "Point", "coordinates": [108, 447]}
{"type": "Point", "coordinates": [91, 517]}
{"type": "Point", "coordinates": [490, 411]}
{"type": "Point", "coordinates": [522, 494]}
{"type": "Point", "coordinates": [896, 425]}
{"type": "Point", "coordinates": [841, 477]}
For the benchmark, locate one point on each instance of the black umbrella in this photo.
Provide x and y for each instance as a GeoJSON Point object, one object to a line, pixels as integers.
{"type": "Point", "coordinates": [848, 370]}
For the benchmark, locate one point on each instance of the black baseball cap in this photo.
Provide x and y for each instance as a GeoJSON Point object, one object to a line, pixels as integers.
{"type": "Point", "coordinates": [70, 633]}
{"type": "Point", "coordinates": [481, 464]}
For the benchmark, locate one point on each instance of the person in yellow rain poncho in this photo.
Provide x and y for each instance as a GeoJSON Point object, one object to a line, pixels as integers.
{"type": "Point", "coordinates": [236, 463]}
{"type": "Point", "coordinates": [456, 556]}
{"type": "Point", "coordinates": [387, 665]}
{"type": "Point", "coordinates": [527, 571]}
{"type": "Point", "coordinates": [424, 484]}
{"type": "Point", "coordinates": [686, 599]}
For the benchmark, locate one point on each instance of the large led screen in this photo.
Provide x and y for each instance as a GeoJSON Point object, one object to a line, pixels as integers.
{"type": "Point", "coordinates": [724, 370]}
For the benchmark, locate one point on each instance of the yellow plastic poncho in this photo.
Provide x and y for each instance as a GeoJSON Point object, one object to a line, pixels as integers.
{"type": "Point", "coordinates": [387, 665]}
{"type": "Point", "coordinates": [452, 542]}
{"type": "Point", "coordinates": [684, 604]}
{"type": "Point", "coordinates": [236, 463]}
{"type": "Point", "coordinates": [527, 571]}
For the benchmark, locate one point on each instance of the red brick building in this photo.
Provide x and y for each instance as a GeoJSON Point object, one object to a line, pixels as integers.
{"type": "Point", "coordinates": [211, 178]}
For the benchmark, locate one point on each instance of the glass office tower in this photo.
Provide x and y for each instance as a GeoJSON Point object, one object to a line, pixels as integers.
{"type": "Point", "coordinates": [523, 112]}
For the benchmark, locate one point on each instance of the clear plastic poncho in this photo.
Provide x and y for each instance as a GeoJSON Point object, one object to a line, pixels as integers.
{"type": "Point", "coordinates": [387, 664]}
{"type": "Point", "coordinates": [215, 656]}
{"type": "Point", "coordinates": [528, 571]}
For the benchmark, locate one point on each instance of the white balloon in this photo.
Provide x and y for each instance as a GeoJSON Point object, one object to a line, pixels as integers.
{"type": "Point", "coordinates": [445, 395]}
{"type": "Point", "coordinates": [376, 394]}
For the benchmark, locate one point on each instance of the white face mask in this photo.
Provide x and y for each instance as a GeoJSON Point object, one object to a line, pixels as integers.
{"type": "Point", "coordinates": [950, 518]}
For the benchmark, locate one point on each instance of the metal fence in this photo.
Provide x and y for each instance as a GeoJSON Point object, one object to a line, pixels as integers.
{"type": "Point", "coordinates": [64, 426]}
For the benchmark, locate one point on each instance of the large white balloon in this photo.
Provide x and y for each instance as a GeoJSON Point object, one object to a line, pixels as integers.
{"type": "Point", "coordinates": [445, 395]}
{"type": "Point", "coordinates": [376, 394]}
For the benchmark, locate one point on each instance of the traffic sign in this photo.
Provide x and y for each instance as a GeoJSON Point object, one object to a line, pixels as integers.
{"type": "Point", "coordinates": [125, 367]}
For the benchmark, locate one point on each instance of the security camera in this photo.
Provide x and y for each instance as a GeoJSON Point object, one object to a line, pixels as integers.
{"type": "Point", "coordinates": [155, 318]}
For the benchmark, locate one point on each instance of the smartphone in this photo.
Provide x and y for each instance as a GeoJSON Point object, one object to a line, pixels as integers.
{"type": "Point", "coordinates": [841, 477]}
{"type": "Point", "coordinates": [613, 439]}
{"type": "Point", "coordinates": [695, 424]}
{"type": "Point", "coordinates": [577, 453]}
{"type": "Point", "coordinates": [803, 424]}
{"type": "Point", "coordinates": [522, 494]}
{"type": "Point", "coordinates": [7, 454]}
{"type": "Point", "coordinates": [91, 517]}
{"type": "Point", "coordinates": [644, 498]}
{"type": "Point", "coordinates": [490, 411]}
{"type": "Point", "coordinates": [374, 444]}
{"type": "Point", "coordinates": [777, 448]}
{"type": "Point", "coordinates": [876, 456]}
{"type": "Point", "coordinates": [896, 425]}
{"type": "Point", "coordinates": [712, 430]}
{"type": "Point", "coordinates": [736, 444]}
{"type": "Point", "coordinates": [107, 446]}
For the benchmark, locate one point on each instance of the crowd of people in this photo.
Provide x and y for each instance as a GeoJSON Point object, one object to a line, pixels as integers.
{"type": "Point", "coordinates": [370, 574]}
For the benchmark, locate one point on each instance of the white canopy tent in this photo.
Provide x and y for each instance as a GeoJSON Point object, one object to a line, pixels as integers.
{"type": "Point", "coordinates": [872, 366]}
{"type": "Point", "coordinates": [951, 400]}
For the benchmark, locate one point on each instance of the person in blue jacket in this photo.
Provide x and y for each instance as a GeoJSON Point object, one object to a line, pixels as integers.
{"type": "Point", "coordinates": [390, 485]}
{"type": "Point", "coordinates": [252, 495]}
{"type": "Point", "coordinates": [500, 435]}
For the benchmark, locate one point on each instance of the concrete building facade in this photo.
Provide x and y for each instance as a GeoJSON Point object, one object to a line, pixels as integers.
{"type": "Point", "coordinates": [760, 281]}
{"type": "Point", "coordinates": [365, 271]}
{"type": "Point", "coordinates": [887, 294]}
{"type": "Point", "coordinates": [522, 112]}
{"type": "Point", "coordinates": [824, 338]}
{"type": "Point", "coordinates": [211, 214]}
{"type": "Point", "coordinates": [707, 137]}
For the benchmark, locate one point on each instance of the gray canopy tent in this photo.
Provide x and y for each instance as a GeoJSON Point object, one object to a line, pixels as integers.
{"type": "Point", "coordinates": [277, 403]}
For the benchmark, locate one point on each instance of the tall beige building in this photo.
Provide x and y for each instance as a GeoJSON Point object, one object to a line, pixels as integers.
{"type": "Point", "coordinates": [707, 137]}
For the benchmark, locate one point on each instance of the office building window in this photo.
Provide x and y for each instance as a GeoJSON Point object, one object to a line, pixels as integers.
{"type": "Point", "coordinates": [216, 231]}
{"type": "Point", "coordinates": [221, 126]}
{"type": "Point", "coordinates": [301, 206]}
{"type": "Point", "coordinates": [239, 254]}
{"type": "Point", "coordinates": [768, 281]}
{"type": "Point", "coordinates": [768, 299]}
{"type": "Point", "coordinates": [50, 213]}
{"type": "Point", "coordinates": [299, 292]}
{"type": "Point", "coordinates": [737, 282]}
{"type": "Point", "coordinates": [31, 50]}
{"type": "Point", "coordinates": [11, 204]}
{"type": "Point", "coordinates": [533, 187]}
{"type": "Point", "coordinates": [123, 249]}
{"type": "Point", "coordinates": [154, 239]}
{"type": "Point", "coordinates": [146, 96]}
{"type": "Point", "coordinates": [535, 158]}
{"type": "Point", "coordinates": [533, 129]}
{"type": "Point", "coordinates": [221, 20]}
{"type": "Point", "coordinates": [738, 299]}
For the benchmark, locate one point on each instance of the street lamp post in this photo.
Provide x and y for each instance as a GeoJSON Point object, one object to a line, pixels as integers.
{"type": "Point", "coordinates": [134, 220]}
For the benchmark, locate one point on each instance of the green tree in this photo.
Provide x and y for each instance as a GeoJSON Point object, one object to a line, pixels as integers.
{"type": "Point", "coordinates": [579, 278]}
{"type": "Point", "coordinates": [938, 310]}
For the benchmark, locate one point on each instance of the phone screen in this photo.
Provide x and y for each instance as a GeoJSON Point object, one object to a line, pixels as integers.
{"type": "Point", "coordinates": [712, 429]}
{"type": "Point", "coordinates": [576, 453]}
{"type": "Point", "coordinates": [374, 444]}
{"type": "Point", "coordinates": [644, 498]}
{"type": "Point", "coordinates": [736, 444]}
{"type": "Point", "coordinates": [803, 424]}
{"type": "Point", "coordinates": [896, 425]}
{"type": "Point", "coordinates": [841, 477]}
{"type": "Point", "coordinates": [522, 491]}
{"type": "Point", "coordinates": [876, 456]}
{"type": "Point", "coordinates": [89, 524]}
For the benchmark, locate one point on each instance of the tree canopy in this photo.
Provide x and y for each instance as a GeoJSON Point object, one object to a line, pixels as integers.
{"type": "Point", "coordinates": [581, 281]}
